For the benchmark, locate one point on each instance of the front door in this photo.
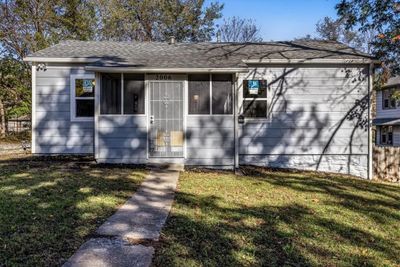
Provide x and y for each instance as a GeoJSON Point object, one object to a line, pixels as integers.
{"type": "Point", "coordinates": [166, 136]}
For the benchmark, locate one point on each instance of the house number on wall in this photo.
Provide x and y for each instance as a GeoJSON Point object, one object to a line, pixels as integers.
{"type": "Point", "coordinates": [163, 77]}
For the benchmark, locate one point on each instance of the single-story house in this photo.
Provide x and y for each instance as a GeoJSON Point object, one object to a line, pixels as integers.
{"type": "Point", "coordinates": [301, 104]}
{"type": "Point", "coordinates": [387, 120]}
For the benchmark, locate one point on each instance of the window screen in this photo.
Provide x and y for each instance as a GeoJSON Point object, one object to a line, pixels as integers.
{"type": "Point", "coordinates": [133, 93]}
{"type": "Point", "coordinates": [199, 94]}
{"type": "Point", "coordinates": [255, 108]}
{"type": "Point", "coordinates": [222, 94]}
{"type": "Point", "coordinates": [110, 93]}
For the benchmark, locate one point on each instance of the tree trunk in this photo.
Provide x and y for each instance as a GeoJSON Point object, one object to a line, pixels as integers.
{"type": "Point", "coordinates": [2, 120]}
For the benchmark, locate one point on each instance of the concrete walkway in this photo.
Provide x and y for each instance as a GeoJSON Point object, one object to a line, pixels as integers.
{"type": "Point", "coordinates": [139, 220]}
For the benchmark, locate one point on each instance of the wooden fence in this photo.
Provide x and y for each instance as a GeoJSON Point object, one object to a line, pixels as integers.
{"type": "Point", "coordinates": [386, 163]}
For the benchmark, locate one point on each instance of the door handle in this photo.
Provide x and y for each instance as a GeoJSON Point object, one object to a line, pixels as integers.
{"type": "Point", "coordinates": [151, 119]}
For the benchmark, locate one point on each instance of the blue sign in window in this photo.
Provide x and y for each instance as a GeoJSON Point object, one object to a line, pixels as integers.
{"type": "Point", "coordinates": [253, 84]}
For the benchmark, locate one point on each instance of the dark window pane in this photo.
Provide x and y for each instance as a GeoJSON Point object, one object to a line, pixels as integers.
{"type": "Point", "coordinates": [110, 93]}
{"type": "Point", "coordinates": [222, 94]}
{"type": "Point", "coordinates": [84, 87]}
{"type": "Point", "coordinates": [133, 93]}
{"type": "Point", "coordinates": [84, 107]}
{"type": "Point", "coordinates": [199, 94]}
{"type": "Point", "coordinates": [386, 103]}
{"type": "Point", "coordinates": [392, 102]}
{"type": "Point", "coordinates": [254, 88]}
{"type": "Point", "coordinates": [255, 108]}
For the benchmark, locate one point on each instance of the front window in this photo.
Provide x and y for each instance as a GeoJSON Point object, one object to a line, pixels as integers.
{"type": "Point", "coordinates": [210, 94]}
{"type": "Point", "coordinates": [387, 135]}
{"type": "Point", "coordinates": [82, 97]}
{"type": "Point", "coordinates": [122, 93]}
{"type": "Point", "coordinates": [255, 98]}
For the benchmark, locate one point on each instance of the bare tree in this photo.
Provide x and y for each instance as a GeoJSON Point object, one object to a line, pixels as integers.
{"type": "Point", "coordinates": [235, 29]}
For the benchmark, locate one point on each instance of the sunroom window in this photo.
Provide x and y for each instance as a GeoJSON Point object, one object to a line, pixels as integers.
{"type": "Point", "coordinates": [122, 94]}
{"type": "Point", "coordinates": [210, 94]}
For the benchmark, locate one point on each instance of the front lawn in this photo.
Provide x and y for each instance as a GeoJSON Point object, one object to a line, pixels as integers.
{"type": "Point", "coordinates": [281, 219]}
{"type": "Point", "coordinates": [48, 208]}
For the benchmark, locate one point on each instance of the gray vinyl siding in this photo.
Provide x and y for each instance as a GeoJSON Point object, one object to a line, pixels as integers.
{"type": "Point", "coordinates": [210, 140]}
{"type": "Point", "coordinates": [55, 132]}
{"type": "Point", "coordinates": [385, 113]}
{"type": "Point", "coordinates": [122, 139]}
{"type": "Point", "coordinates": [314, 120]}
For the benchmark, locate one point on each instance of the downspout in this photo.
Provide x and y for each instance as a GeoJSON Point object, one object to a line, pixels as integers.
{"type": "Point", "coordinates": [370, 175]}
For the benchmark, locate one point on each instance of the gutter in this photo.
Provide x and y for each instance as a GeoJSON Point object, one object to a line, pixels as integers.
{"type": "Point", "coordinates": [311, 61]}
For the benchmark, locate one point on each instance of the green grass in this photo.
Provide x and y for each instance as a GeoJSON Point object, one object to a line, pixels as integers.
{"type": "Point", "coordinates": [281, 219]}
{"type": "Point", "coordinates": [50, 207]}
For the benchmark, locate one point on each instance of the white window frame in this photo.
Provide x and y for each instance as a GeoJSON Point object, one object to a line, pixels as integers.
{"type": "Point", "coordinates": [389, 129]}
{"type": "Point", "coordinates": [255, 99]}
{"type": "Point", "coordinates": [73, 97]}
{"type": "Point", "coordinates": [389, 92]}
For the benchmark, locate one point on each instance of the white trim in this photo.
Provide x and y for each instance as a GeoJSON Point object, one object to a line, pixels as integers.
{"type": "Point", "coordinates": [147, 112]}
{"type": "Point", "coordinates": [165, 70]}
{"type": "Point", "coordinates": [370, 174]}
{"type": "Point", "coordinates": [185, 113]}
{"type": "Point", "coordinates": [311, 61]}
{"type": "Point", "coordinates": [33, 140]}
{"type": "Point", "coordinates": [61, 59]}
{"type": "Point", "coordinates": [73, 78]}
{"type": "Point", "coordinates": [96, 114]}
{"type": "Point", "coordinates": [235, 123]}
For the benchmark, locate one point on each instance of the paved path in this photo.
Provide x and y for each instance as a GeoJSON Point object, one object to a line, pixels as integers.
{"type": "Point", "coordinates": [139, 220]}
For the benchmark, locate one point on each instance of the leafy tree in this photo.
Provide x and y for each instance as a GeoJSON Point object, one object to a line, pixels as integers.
{"type": "Point", "coordinates": [14, 91]}
{"type": "Point", "coordinates": [236, 29]}
{"type": "Point", "coordinates": [382, 16]}
{"type": "Point", "coordinates": [156, 20]}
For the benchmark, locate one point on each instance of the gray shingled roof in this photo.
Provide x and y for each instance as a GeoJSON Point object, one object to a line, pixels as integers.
{"type": "Point", "coordinates": [386, 121]}
{"type": "Point", "coordinates": [393, 82]}
{"type": "Point", "coordinates": [196, 55]}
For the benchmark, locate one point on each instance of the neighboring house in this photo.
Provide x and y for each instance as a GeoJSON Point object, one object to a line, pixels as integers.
{"type": "Point", "coordinates": [387, 119]}
{"type": "Point", "coordinates": [302, 104]}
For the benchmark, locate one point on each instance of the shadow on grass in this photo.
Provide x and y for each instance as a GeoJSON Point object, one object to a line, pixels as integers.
{"type": "Point", "coordinates": [281, 219]}
{"type": "Point", "coordinates": [50, 206]}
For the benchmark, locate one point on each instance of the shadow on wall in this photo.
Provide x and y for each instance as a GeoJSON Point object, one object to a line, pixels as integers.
{"type": "Point", "coordinates": [313, 123]}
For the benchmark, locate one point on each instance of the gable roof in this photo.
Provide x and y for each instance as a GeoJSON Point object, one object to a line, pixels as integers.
{"type": "Point", "coordinates": [196, 55]}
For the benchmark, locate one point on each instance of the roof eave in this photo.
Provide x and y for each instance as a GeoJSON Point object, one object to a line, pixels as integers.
{"type": "Point", "coordinates": [61, 59]}
{"type": "Point", "coordinates": [311, 61]}
{"type": "Point", "coordinates": [163, 70]}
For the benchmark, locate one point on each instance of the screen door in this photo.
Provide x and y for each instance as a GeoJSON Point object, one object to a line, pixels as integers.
{"type": "Point", "coordinates": [166, 136]}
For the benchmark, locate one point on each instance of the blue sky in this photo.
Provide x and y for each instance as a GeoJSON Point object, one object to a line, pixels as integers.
{"type": "Point", "coordinates": [281, 19]}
